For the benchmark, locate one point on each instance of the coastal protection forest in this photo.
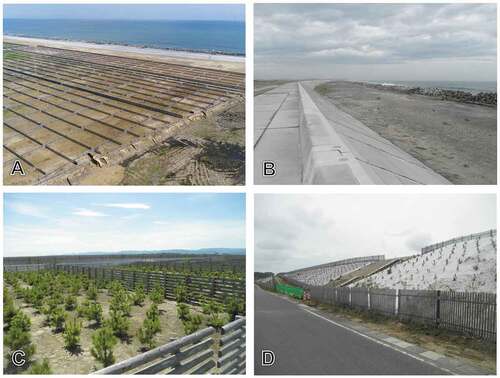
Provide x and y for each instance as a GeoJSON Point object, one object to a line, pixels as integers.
{"type": "Point", "coordinates": [67, 112]}
{"type": "Point", "coordinates": [149, 314]}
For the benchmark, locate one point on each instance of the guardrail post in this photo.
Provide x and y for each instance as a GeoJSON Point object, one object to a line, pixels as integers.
{"type": "Point", "coordinates": [369, 298]}
{"type": "Point", "coordinates": [350, 297]}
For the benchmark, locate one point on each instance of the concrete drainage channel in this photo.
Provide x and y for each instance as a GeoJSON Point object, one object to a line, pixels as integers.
{"type": "Point", "coordinates": [310, 141]}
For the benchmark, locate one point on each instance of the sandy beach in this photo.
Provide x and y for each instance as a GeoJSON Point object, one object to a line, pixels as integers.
{"type": "Point", "coordinates": [456, 140]}
{"type": "Point", "coordinates": [215, 61]}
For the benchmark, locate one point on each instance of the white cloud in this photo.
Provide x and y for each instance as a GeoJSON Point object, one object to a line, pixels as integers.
{"type": "Point", "coordinates": [141, 206]}
{"type": "Point", "coordinates": [74, 237]}
{"type": "Point", "coordinates": [24, 208]}
{"type": "Point", "coordinates": [88, 213]}
{"type": "Point", "coordinates": [296, 231]}
{"type": "Point", "coordinates": [384, 41]}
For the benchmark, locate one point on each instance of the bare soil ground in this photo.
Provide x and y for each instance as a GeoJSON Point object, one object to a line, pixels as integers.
{"type": "Point", "coordinates": [50, 345]}
{"type": "Point", "coordinates": [456, 140]}
{"type": "Point", "coordinates": [470, 350]}
{"type": "Point", "coordinates": [209, 151]}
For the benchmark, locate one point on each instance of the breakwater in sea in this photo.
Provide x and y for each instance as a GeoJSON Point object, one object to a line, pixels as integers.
{"type": "Point", "coordinates": [481, 98]}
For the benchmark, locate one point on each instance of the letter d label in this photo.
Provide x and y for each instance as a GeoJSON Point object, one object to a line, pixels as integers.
{"type": "Point", "coordinates": [268, 358]}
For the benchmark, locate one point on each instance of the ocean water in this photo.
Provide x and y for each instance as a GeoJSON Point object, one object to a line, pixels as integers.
{"type": "Point", "coordinates": [466, 86]}
{"type": "Point", "coordinates": [202, 36]}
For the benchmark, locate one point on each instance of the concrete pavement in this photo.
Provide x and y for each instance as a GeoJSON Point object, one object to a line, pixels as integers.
{"type": "Point", "coordinates": [306, 342]}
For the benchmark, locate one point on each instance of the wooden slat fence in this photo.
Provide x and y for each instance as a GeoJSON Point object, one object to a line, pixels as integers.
{"type": "Point", "coordinates": [383, 301]}
{"type": "Point", "coordinates": [232, 348]}
{"type": "Point", "coordinates": [418, 305]}
{"type": "Point", "coordinates": [218, 289]}
{"type": "Point", "coordinates": [204, 352]}
{"type": "Point", "coordinates": [268, 283]}
{"type": "Point", "coordinates": [359, 298]}
{"type": "Point", "coordinates": [469, 313]}
{"type": "Point", "coordinates": [472, 313]}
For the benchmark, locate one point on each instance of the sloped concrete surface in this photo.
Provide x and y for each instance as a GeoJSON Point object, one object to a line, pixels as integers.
{"type": "Point", "coordinates": [311, 141]}
{"type": "Point", "coordinates": [276, 133]}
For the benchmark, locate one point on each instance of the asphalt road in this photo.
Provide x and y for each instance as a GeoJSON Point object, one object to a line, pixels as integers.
{"type": "Point", "coordinates": [306, 344]}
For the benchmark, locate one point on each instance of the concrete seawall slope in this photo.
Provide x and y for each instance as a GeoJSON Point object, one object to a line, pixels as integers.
{"type": "Point", "coordinates": [311, 141]}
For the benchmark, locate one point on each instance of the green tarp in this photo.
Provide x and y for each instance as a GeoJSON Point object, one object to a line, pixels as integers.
{"type": "Point", "coordinates": [296, 292]}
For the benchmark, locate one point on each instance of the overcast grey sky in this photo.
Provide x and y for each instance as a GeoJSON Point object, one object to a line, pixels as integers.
{"type": "Point", "coordinates": [376, 41]}
{"type": "Point", "coordinates": [296, 231]}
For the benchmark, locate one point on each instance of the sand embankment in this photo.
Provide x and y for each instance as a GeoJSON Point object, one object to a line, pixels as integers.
{"type": "Point", "coordinates": [214, 61]}
{"type": "Point", "coordinates": [456, 140]}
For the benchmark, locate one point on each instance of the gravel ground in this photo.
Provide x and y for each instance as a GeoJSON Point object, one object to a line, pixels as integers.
{"type": "Point", "coordinates": [456, 140]}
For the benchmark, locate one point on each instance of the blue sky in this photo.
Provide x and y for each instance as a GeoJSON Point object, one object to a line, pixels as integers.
{"type": "Point", "coordinates": [226, 12]}
{"type": "Point", "coordinates": [54, 223]}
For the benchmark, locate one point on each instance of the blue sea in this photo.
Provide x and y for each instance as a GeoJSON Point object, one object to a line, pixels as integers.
{"type": "Point", "coordinates": [466, 86]}
{"type": "Point", "coordinates": [202, 36]}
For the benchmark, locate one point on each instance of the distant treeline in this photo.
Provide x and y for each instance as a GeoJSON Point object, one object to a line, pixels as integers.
{"type": "Point", "coordinates": [261, 275]}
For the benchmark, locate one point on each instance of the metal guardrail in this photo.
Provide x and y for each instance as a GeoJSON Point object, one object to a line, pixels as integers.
{"type": "Point", "coordinates": [192, 354]}
{"type": "Point", "coordinates": [432, 247]}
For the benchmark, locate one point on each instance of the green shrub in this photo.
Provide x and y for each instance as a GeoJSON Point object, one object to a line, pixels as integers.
{"type": "Point", "coordinates": [40, 368]}
{"type": "Point", "coordinates": [153, 312]}
{"type": "Point", "coordinates": [70, 303]}
{"type": "Point", "coordinates": [94, 312]}
{"type": "Point", "coordinates": [57, 318]}
{"type": "Point", "coordinates": [157, 294]}
{"type": "Point", "coordinates": [209, 306]}
{"type": "Point", "coordinates": [9, 310]}
{"type": "Point", "coordinates": [150, 327]}
{"type": "Point", "coordinates": [92, 292]}
{"type": "Point", "coordinates": [75, 287]}
{"type": "Point", "coordinates": [72, 329]}
{"type": "Point", "coordinates": [103, 342]}
{"type": "Point", "coordinates": [18, 339]}
{"type": "Point", "coordinates": [120, 301]}
{"type": "Point", "coordinates": [119, 324]}
{"type": "Point", "coordinates": [192, 324]}
{"type": "Point", "coordinates": [182, 311]}
{"type": "Point", "coordinates": [139, 295]}
{"type": "Point", "coordinates": [234, 307]}
{"type": "Point", "coordinates": [22, 321]}
{"type": "Point", "coordinates": [181, 293]}
{"type": "Point", "coordinates": [216, 320]}
{"type": "Point", "coordinates": [83, 309]}
{"type": "Point", "coordinates": [48, 308]}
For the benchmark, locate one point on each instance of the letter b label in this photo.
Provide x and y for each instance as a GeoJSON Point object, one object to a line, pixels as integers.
{"type": "Point", "coordinates": [268, 168]}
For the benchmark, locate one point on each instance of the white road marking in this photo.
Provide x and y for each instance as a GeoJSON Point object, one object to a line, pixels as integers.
{"type": "Point", "coordinates": [379, 342]}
